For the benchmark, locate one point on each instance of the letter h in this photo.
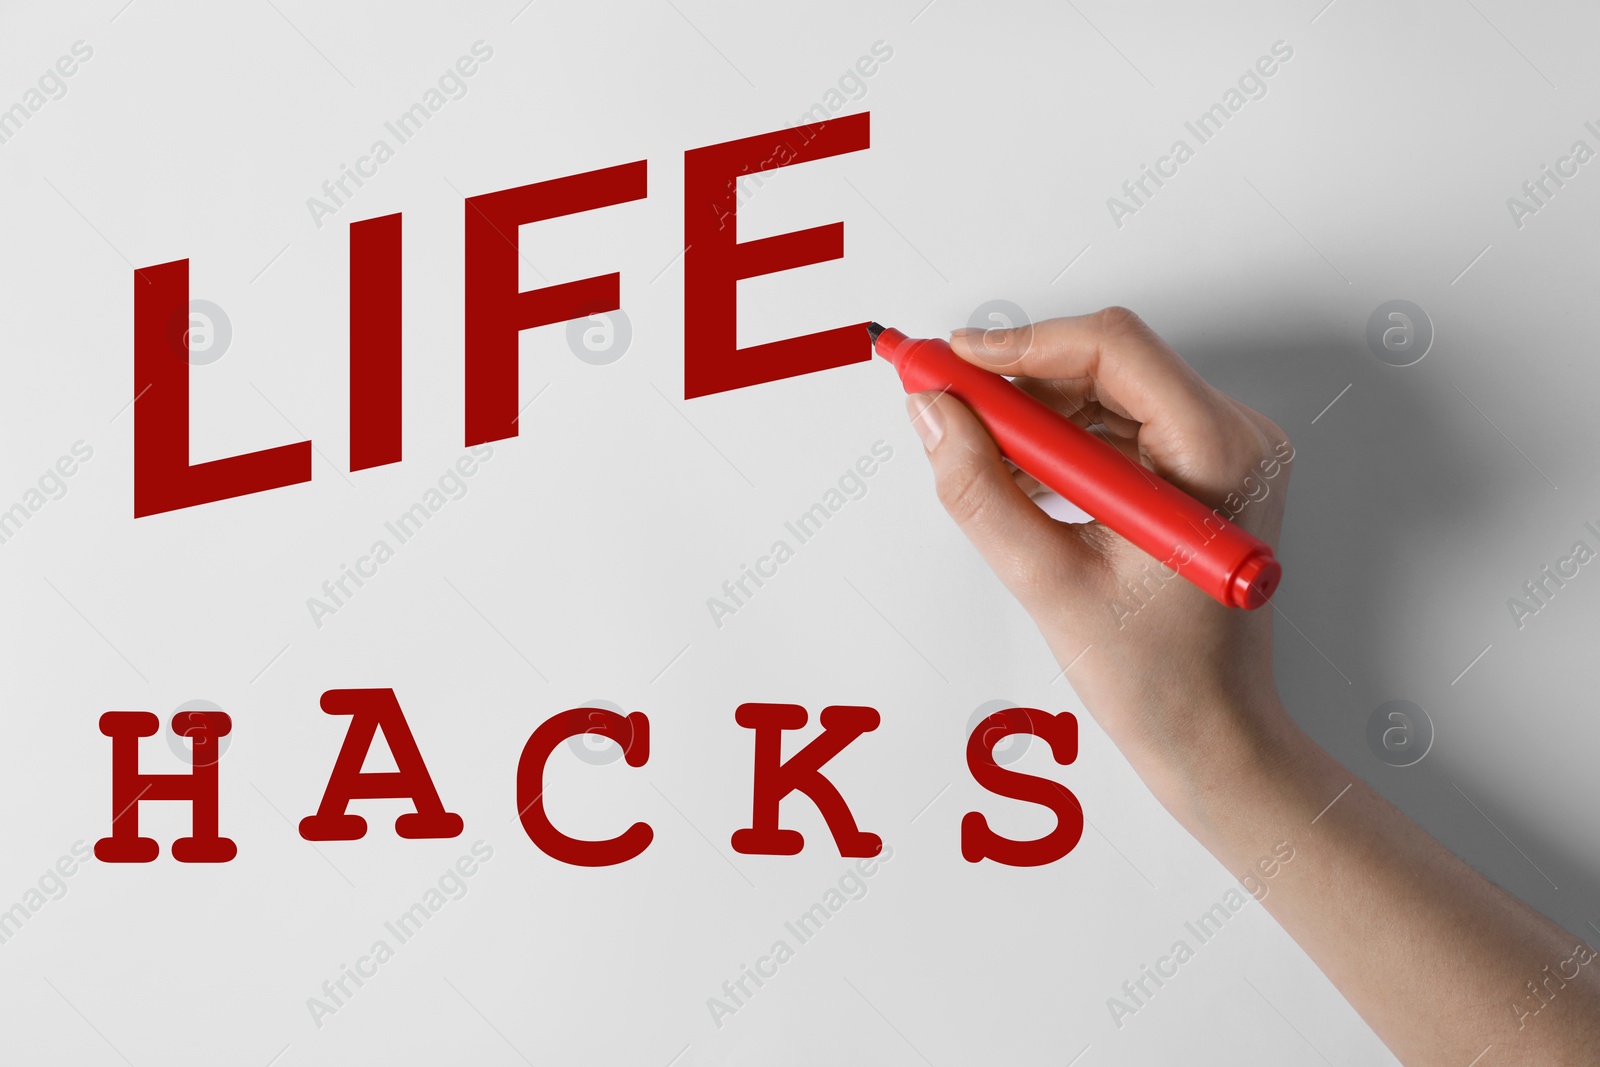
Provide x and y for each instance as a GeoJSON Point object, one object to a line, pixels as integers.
{"type": "Point", "coordinates": [130, 787]}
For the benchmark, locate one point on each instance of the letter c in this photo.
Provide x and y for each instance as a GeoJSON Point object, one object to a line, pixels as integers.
{"type": "Point", "coordinates": [764, 973]}
{"type": "Point", "coordinates": [1165, 173]}
{"type": "Point", "coordinates": [632, 733]}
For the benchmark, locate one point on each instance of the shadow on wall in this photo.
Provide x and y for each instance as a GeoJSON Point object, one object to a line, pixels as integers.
{"type": "Point", "coordinates": [1394, 542]}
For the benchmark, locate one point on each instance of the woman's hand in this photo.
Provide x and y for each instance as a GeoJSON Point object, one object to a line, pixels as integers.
{"type": "Point", "coordinates": [1446, 967]}
{"type": "Point", "coordinates": [1154, 659]}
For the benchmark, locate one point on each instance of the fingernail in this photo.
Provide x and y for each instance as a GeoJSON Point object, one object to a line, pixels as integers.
{"type": "Point", "coordinates": [926, 419]}
{"type": "Point", "coordinates": [964, 333]}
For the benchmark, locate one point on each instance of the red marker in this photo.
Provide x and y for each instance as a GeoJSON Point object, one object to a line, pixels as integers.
{"type": "Point", "coordinates": [1233, 566]}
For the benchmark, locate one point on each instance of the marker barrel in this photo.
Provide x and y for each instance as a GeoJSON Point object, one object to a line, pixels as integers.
{"type": "Point", "coordinates": [1232, 565]}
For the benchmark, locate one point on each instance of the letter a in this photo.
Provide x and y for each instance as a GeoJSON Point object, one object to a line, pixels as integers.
{"type": "Point", "coordinates": [370, 711]}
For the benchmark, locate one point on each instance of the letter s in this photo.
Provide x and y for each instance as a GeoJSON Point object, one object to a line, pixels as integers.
{"type": "Point", "coordinates": [978, 842]}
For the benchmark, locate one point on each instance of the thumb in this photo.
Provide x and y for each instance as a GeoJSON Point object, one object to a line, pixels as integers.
{"type": "Point", "coordinates": [1046, 564]}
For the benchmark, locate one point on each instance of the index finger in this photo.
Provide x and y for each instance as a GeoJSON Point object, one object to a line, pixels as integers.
{"type": "Point", "coordinates": [1133, 369]}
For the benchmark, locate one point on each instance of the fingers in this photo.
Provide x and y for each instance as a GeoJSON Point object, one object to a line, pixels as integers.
{"type": "Point", "coordinates": [1127, 378]}
{"type": "Point", "coordinates": [1029, 485]}
{"type": "Point", "coordinates": [1134, 371]}
{"type": "Point", "coordinates": [1075, 398]}
{"type": "Point", "coordinates": [1040, 560]}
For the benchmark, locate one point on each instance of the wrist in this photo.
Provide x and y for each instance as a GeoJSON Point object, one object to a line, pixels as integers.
{"type": "Point", "coordinates": [1213, 754]}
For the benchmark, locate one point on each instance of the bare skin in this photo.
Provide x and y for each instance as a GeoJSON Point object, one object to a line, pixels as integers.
{"type": "Point", "coordinates": [1435, 958]}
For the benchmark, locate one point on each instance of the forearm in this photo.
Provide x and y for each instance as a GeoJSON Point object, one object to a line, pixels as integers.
{"type": "Point", "coordinates": [1435, 958]}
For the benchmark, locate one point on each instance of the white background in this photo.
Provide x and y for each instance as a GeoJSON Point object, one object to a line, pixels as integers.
{"type": "Point", "coordinates": [578, 565]}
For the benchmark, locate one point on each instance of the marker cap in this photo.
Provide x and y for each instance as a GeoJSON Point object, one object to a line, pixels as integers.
{"type": "Point", "coordinates": [1254, 582]}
